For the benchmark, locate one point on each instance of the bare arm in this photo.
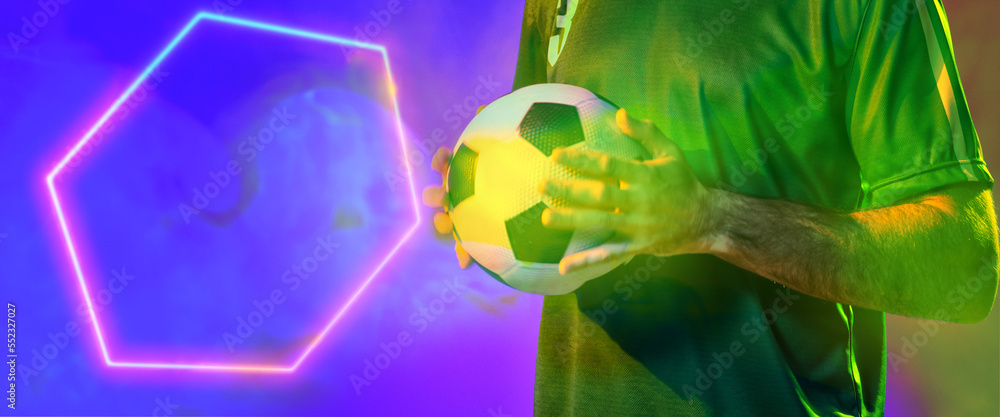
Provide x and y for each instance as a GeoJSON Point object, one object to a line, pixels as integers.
{"type": "Point", "coordinates": [915, 258]}
{"type": "Point", "coordinates": [934, 256]}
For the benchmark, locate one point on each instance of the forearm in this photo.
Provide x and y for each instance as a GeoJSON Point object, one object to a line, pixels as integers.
{"type": "Point", "coordinates": [906, 259]}
{"type": "Point", "coordinates": [902, 259]}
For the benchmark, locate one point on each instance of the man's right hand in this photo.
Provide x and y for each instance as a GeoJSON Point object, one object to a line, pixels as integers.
{"type": "Point", "coordinates": [437, 197]}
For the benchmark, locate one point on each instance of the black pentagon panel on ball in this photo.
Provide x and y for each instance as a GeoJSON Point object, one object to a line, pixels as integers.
{"type": "Point", "coordinates": [462, 175]}
{"type": "Point", "coordinates": [531, 241]}
{"type": "Point", "coordinates": [551, 125]}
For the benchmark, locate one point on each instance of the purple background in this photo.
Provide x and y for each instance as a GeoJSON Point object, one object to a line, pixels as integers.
{"type": "Point", "coordinates": [475, 358]}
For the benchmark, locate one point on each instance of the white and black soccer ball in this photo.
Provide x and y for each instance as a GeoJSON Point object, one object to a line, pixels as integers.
{"type": "Point", "coordinates": [499, 161]}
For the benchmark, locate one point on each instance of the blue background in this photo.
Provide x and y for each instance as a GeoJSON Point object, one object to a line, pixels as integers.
{"type": "Point", "coordinates": [475, 358]}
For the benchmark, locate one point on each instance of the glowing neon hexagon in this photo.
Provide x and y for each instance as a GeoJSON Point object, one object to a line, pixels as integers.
{"type": "Point", "coordinates": [74, 257]}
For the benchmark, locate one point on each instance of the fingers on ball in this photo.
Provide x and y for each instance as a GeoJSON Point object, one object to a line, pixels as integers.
{"type": "Point", "coordinates": [442, 223]}
{"type": "Point", "coordinates": [464, 260]}
{"type": "Point", "coordinates": [434, 196]}
{"type": "Point", "coordinates": [441, 160]}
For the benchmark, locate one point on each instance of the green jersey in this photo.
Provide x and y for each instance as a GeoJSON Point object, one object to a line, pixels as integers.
{"type": "Point", "coordinates": [846, 104]}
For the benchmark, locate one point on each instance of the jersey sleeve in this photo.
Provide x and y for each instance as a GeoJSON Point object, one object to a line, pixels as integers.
{"type": "Point", "coordinates": [530, 67]}
{"type": "Point", "coordinates": [908, 120]}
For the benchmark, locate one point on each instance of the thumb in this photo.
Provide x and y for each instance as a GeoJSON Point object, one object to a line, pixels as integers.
{"type": "Point", "coordinates": [616, 249]}
{"type": "Point", "coordinates": [646, 133]}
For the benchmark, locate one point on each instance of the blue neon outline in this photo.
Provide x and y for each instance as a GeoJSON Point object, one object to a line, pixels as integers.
{"type": "Point", "coordinates": [67, 236]}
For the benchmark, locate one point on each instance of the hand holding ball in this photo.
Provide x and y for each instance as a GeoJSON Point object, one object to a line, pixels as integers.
{"type": "Point", "coordinates": [500, 160]}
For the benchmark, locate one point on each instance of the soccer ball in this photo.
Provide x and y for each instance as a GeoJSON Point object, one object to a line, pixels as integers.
{"type": "Point", "coordinates": [499, 161]}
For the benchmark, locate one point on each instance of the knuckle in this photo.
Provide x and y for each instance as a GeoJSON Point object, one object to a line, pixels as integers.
{"type": "Point", "coordinates": [662, 172]}
{"type": "Point", "coordinates": [555, 189]}
{"type": "Point", "coordinates": [644, 174]}
{"type": "Point", "coordinates": [601, 194]}
{"type": "Point", "coordinates": [607, 220]}
{"type": "Point", "coordinates": [625, 198]}
{"type": "Point", "coordinates": [598, 220]}
{"type": "Point", "coordinates": [605, 163]}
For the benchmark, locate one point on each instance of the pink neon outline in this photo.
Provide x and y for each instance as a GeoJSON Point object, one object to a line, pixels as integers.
{"type": "Point", "coordinates": [50, 182]}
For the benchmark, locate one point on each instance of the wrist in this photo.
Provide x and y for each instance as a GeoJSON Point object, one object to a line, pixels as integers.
{"type": "Point", "coordinates": [717, 208]}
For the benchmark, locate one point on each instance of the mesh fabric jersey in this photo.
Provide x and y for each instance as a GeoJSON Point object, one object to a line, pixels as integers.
{"type": "Point", "coordinates": [848, 105]}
